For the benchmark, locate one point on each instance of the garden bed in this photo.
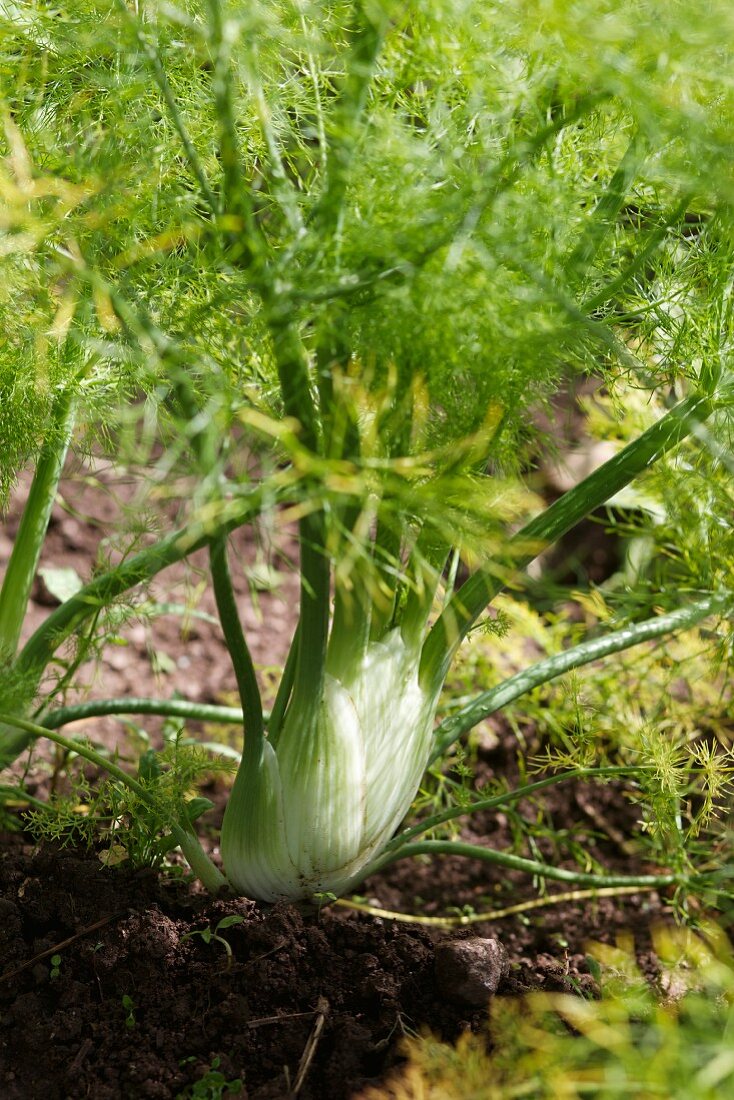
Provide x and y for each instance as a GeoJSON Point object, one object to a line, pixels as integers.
{"type": "Point", "coordinates": [134, 1006]}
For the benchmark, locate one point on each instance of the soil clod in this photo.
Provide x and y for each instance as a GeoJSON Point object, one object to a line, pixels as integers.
{"type": "Point", "coordinates": [470, 971]}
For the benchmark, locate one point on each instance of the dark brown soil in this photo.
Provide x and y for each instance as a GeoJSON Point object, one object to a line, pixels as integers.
{"type": "Point", "coordinates": [136, 1007]}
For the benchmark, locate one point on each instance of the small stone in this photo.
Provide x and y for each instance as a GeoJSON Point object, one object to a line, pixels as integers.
{"type": "Point", "coordinates": [469, 971]}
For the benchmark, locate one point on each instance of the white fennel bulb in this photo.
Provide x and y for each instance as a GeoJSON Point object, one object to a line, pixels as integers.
{"type": "Point", "coordinates": [316, 808]}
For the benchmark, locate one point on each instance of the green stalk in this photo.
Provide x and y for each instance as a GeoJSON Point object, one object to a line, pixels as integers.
{"type": "Point", "coordinates": [492, 914]}
{"type": "Point", "coordinates": [23, 563]}
{"type": "Point", "coordinates": [188, 842]}
{"type": "Point", "coordinates": [285, 689]}
{"type": "Point", "coordinates": [386, 556]}
{"type": "Point", "coordinates": [508, 797]}
{"type": "Point", "coordinates": [295, 384]}
{"type": "Point", "coordinates": [516, 863]}
{"type": "Point", "coordinates": [472, 598]}
{"type": "Point", "coordinates": [239, 652]}
{"type": "Point", "coordinates": [608, 291]}
{"type": "Point", "coordinates": [223, 100]}
{"type": "Point", "coordinates": [246, 246]}
{"type": "Point", "coordinates": [350, 627]}
{"type": "Point", "coordinates": [314, 618]}
{"type": "Point", "coordinates": [159, 75]}
{"type": "Point", "coordinates": [293, 369]}
{"type": "Point", "coordinates": [281, 186]}
{"type": "Point", "coordinates": [493, 183]}
{"type": "Point", "coordinates": [427, 562]}
{"type": "Point", "coordinates": [489, 702]}
{"type": "Point", "coordinates": [366, 42]}
{"type": "Point", "coordinates": [8, 793]}
{"type": "Point", "coordinates": [606, 211]}
{"type": "Point", "coordinates": [166, 708]}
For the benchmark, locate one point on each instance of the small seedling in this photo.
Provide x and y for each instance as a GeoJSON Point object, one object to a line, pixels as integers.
{"type": "Point", "coordinates": [323, 899]}
{"type": "Point", "coordinates": [208, 934]}
{"type": "Point", "coordinates": [212, 1086]}
{"type": "Point", "coordinates": [55, 966]}
{"type": "Point", "coordinates": [129, 1006]}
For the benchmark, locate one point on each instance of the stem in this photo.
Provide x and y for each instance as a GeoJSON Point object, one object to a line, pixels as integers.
{"type": "Point", "coordinates": [350, 628]}
{"type": "Point", "coordinates": [239, 652]}
{"type": "Point", "coordinates": [386, 556]}
{"type": "Point", "coordinates": [188, 842]}
{"type": "Point", "coordinates": [516, 863]}
{"type": "Point", "coordinates": [499, 179]}
{"type": "Point", "coordinates": [207, 872]}
{"type": "Point", "coordinates": [366, 42]}
{"type": "Point", "coordinates": [606, 211]}
{"type": "Point", "coordinates": [468, 603]}
{"type": "Point", "coordinates": [544, 671]}
{"type": "Point", "coordinates": [222, 89]}
{"type": "Point", "coordinates": [285, 688]}
{"type": "Point", "coordinates": [23, 563]}
{"type": "Point", "coordinates": [295, 384]}
{"type": "Point", "coordinates": [507, 797]}
{"type": "Point", "coordinates": [53, 632]}
{"type": "Point", "coordinates": [293, 370]}
{"type": "Point", "coordinates": [492, 914]}
{"type": "Point", "coordinates": [313, 623]}
{"type": "Point", "coordinates": [427, 562]}
{"type": "Point", "coordinates": [607, 292]}
{"type": "Point", "coordinates": [281, 186]}
{"type": "Point", "coordinates": [159, 74]}
{"type": "Point", "coordinates": [17, 793]}
{"type": "Point", "coordinates": [168, 708]}
{"type": "Point", "coordinates": [246, 246]}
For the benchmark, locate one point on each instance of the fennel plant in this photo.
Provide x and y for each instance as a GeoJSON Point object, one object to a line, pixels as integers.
{"type": "Point", "coordinates": [326, 260]}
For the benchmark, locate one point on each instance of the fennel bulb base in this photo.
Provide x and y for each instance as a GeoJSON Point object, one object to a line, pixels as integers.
{"type": "Point", "coordinates": [317, 809]}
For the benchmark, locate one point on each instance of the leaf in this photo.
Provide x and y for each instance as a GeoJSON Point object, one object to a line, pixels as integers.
{"type": "Point", "coordinates": [227, 922]}
{"type": "Point", "coordinates": [198, 806]}
{"type": "Point", "coordinates": [114, 855]}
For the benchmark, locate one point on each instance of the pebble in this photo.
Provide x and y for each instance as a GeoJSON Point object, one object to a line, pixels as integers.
{"type": "Point", "coordinates": [469, 971]}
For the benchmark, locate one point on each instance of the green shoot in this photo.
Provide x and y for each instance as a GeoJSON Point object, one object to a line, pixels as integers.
{"type": "Point", "coordinates": [208, 934]}
{"type": "Point", "coordinates": [213, 1085]}
{"type": "Point", "coordinates": [128, 1006]}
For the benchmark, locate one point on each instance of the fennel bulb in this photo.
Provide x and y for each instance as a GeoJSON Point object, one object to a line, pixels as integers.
{"type": "Point", "coordinates": [324, 800]}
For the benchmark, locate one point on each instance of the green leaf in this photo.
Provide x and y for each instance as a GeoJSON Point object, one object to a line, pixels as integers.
{"type": "Point", "coordinates": [195, 807]}
{"type": "Point", "coordinates": [228, 922]}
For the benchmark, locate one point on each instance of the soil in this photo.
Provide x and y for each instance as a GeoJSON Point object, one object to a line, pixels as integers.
{"type": "Point", "coordinates": [104, 991]}
{"type": "Point", "coordinates": [106, 994]}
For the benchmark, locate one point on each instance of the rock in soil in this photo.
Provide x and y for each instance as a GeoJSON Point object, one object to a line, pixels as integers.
{"type": "Point", "coordinates": [469, 971]}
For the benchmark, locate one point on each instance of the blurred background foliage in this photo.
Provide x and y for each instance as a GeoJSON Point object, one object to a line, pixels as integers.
{"type": "Point", "coordinates": [669, 1039]}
